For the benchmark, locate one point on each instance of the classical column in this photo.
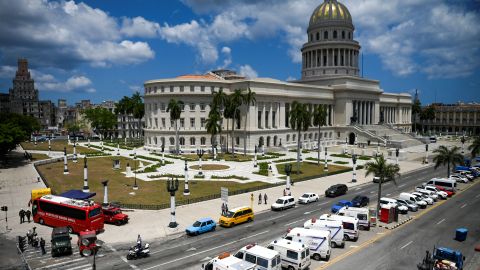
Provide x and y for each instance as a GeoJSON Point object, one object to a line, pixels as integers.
{"type": "Point", "coordinates": [321, 57]}
{"type": "Point", "coordinates": [367, 122]}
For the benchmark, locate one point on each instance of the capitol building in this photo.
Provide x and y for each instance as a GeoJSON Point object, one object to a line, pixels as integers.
{"type": "Point", "coordinates": [358, 109]}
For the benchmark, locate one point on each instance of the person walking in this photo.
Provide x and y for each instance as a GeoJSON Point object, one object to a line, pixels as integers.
{"type": "Point", "coordinates": [223, 209]}
{"type": "Point", "coordinates": [28, 214]}
{"type": "Point", "coordinates": [260, 198]}
{"type": "Point", "coordinates": [226, 208]}
{"type": "Point", "coordinates": [22, 215]}
{"type": "Point", "coordinates": [42, 245]}
{"type": "Point", "coordinates": [265, 198]}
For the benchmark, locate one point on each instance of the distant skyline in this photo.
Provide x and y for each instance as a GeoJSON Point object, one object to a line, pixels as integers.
{"type": "Point", "coordinates": [103, 50]}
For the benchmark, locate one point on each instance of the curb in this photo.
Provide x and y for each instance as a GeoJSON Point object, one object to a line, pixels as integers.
{"type": "Point", "coordinates": [398, 224]}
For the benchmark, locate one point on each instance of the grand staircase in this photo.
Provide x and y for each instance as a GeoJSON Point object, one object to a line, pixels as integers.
{"type": "Point", "coordinates": [390, 136]}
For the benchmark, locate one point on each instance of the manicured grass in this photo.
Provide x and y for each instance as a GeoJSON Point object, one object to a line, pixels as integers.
{"type": "Point", "coordinates": [229, 177]}
{"type": "Point", "coordinates": [57, 145]}
{"type": "Point", "coordinates": [210, 167]}
{"type": "Point", "coordinates": [341, 162]}
{"type": "Point", "coordinates": [350, 156]}
{"type": "Point", "coordinates": [309, 170]}
{"type": "Point", "coordinates": [36, 156]}
{"type": "Point", "coordinates": [119, 187]}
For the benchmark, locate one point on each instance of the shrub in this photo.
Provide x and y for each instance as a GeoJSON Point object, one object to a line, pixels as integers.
{"type": "Point", "coordinates": [199, 176]}
{"type": "Point", "coordinates": [229, 177]}
{"type": "Point", "coordinates": [341, 162]}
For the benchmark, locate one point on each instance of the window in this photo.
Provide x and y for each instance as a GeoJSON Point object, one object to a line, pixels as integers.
{"type": "Point", "coordinates": [155, 89]}
{"type": "Point", "coordinates": [250, 258]}
{"type": "Point", "coordinates": [182, 122]}
{"type": "Point", "coordinates": [156, 122]}
{"type": "Point", "coordinates": [259, 120]}
{"type": "Point", "coordinates": [237, 140]}
{"type": "Point", "coordinates": [274, 119]}
{"type": "Point", "coordinates": [202, 107]}
{"type": "Point", "coordinates": [335, 34]}
{"type": "Point", "coordinates": [292, 254]}
{"type": "Point", "coordinates": [181, 88]}
{"type": "Point", "coordinates": [155, 107]}
{"type": "Point", "coordinates": [202, 122]}
{"type": "Point", "coordinates": [171, 88]}
{"type": "Point", "coordinates": [311, 37]}
{"type": "Point", "coordinates": [349, 36]}
{"type": "Point", "coordinates": [202, 88]}
{"type": "Point", "coordinates": [318, 36]}
{"type": "Point", "coordinates": [162, 107]}
{"type": "Point", "coordinates": [288, 137]}
{"type": "Point", "coordinates": [262, 262]}
{"type": "Point", "coordinates": [266, 119]}
{"type": "Point", "coordinates": [192, 107]}
{"type": "Point", "coordinates": [192, 88]}
{"type": "Point", "coordinates": [163, 122]}
{"type": "Point", "coordinates": [203, 141]}
{"type": "Point", "coordinates": [172, 123]}
{"type": "Point", "coordinates": [294, 137]}
{"type": "Point", "coordinates": [192, 122]}
{"type": "Point", "coordinates": [63, 211]}
{"type": "Point", "coordinates": [192, 141]}
{"type": "Point", "coordinates": [162, 89]}
{"type": "Point", "coordinates": [343, 34]}
{"type": "Point", "coordinates": [325, 35]}
{"type": "Point", "coordinates": [212, 88]}
{"type": "Point", "coordinates": [182, 141]}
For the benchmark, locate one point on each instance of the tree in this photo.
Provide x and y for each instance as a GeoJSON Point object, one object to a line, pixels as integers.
{"type": "Point", "coordinates": [319, 120]}
{"type": "Point", "coordinates": [74, 127]}
{"type": "Point", "coordinates": [26, 123]}
{"type": "Point", "coordinates": [445, 156]}
{"type": "Point", "coordinates": [138, 110]}
{"type": "Point", "coordinates": [474, 148]}
{"type": "Point", "coordinates": [10, 136]}
{"type": "Point", "coordinates": [101, 119]}
{"type": "Point", "coordinates": [427, 113]}
{"type": "Point", "coordinates": [300, 120]}
{"type": "Point", "coordinates": [384, 171]}
{"type": "Point", "coordinates": [175, 109]}
{"type": "Point", "coordinates": [248, 99]}
{"type": "Point", "coordinates": [416, 109]}
{"type": "Point", "coordinates": [219, 100]}
{"type": "Point", "coordinates": [237, 100]}
{"type": "Point", "coordinates": [213, 124]}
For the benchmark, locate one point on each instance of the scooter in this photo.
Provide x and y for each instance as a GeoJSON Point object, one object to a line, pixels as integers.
{"type": "Point", "coordinates": [136, 253]}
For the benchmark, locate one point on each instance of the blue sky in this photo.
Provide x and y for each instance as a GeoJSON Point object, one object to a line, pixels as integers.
{"type": "Point", "coordinates": [103, 50]}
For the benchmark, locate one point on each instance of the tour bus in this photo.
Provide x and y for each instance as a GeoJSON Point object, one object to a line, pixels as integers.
{"type": "Point", "coordinates": [350, 225]}
{"type": "Point", "coordinates": [76, 215]}
{"type": "Point", "coordinates": [225, 261]}
{"type": "Point", "coordinates": [362, 214]}
{"type": "Point", "coordinates": [447, 184]}
{"type": "Point", "coordinates": [335, 227]}
{"type": "Point", "coordinates": [318, 241]}
{"type": "Point", "coordinates": [294, 255]}
{"type": "Point", "coordinates": [264, 258]}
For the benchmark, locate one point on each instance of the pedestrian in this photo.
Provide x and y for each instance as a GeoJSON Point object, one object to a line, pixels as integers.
{"type": "Point", "coordinates": [291, 182]}
{"type": "Point", "coordinates": [260, 198]}
{"type": "Point", "coordinates": [28, 214]}
{"type": "Point", "coordinates": [264, 198]}
{"type": "Point", "coordinates": [284, 192]}
{"type": "Point", "coordinates": [42, 245]}
{"type": "Point", "coordinates": [226, 208]}
{"type": "Point", "coordinates": [22, 215]}
{"type": "Point", "coordinates": [223, 209]}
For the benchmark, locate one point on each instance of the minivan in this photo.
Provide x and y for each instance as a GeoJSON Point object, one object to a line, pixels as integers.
{"type": "Point", "coordinates": [264, 258]}
{"type": "Point", "coordinates": [283, 203]}
{"type": "Point", "coordinates": [236, 216]}
{"type": "Point", "coordinates": [336, 190]}
{"type": "Point", "coordinates": [447, 184]}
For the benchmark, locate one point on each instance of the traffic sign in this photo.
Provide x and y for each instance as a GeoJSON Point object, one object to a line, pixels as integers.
{"type": "Point", "coordinates": [224, 194]}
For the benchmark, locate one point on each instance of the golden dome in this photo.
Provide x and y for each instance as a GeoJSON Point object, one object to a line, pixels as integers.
{"type": "Point", "coordinates": [330, 10]}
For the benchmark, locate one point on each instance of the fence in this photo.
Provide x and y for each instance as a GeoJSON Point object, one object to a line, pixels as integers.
{"type": "Point", "coordinates": [24, 261]}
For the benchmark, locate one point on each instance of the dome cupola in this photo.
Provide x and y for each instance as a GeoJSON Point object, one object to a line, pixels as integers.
{"type": "Point", "coordinates": [330, 12]}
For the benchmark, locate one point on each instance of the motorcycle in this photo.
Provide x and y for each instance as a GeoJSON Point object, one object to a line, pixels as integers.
{"type": "Point", "coordinates": [138, 253]}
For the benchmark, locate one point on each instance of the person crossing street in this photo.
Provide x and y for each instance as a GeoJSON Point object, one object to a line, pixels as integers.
{"type": "Point", "coordinates": [260, 198]}
{"type": "Point", "coordinates": [42, 245]}
{"type": "Point", "coordinates": [22, 215]}
{"type": "Point", "coordinates": [28, 214]}
{"type": "Point", "coordinates": [264, 198]}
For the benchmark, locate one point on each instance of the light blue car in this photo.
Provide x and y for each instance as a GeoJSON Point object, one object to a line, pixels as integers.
{"type": "Point", "coordinates": [202, 225]}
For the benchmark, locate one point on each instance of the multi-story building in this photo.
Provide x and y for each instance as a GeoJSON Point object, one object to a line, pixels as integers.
{"type": "Point", "coordinates": [358, 109]}
{"type": "Point", "coordinates": [453, 118]}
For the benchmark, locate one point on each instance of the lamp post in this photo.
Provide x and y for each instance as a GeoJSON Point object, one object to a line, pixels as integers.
{"type": "Point", "coordinates": [35, 139]}
{"type": "Point", "coordinates": [98, 244]}
{"type": "Point", "coordinates": [426, 154]}
{"type": "Point", "coordinates": [200, 153]}
{"type": "Point", "coordinates": [172, 187]}
{"type": "Point", "coordinates": [345, 148]}
{"type": "Point", "coordinates": [135, 187]}
{"type": "Point", "coordinates": [118, 149]}
{"type": "Point", "coordinates": [214, 151]}
{"type": "Point", "coordinates": [288, 170]}
{"type": "Point", "coordinates": [75, 152]}
{"type": "Point", "coordinates": [463, 143]}
{"type": "Point", "coordinates": [68, 138]}
{"type": "Point", "coordinates": [255, 157]}
{"type": "Point", "coordinates": [397, 153]}
{"type": "Point", "coordinates": [49, 146]}
{"type": "Point", "coordinates": [186, 191]}
{"type": "Point", "coordinates": [85, 176]}
{"type": "Point", "coordinates": [300, 152]}
{"type": "Point", "coordinates": [105, 192]}
{"type": "Point", "coordinates": [325, 166]}
{"type": "Point", "coordinates": [354, 172]}
{"type": "Point", "coordinates": [65, 168]}
{"type": "Point", "coordinates": [101, 144]}
{"type": "Point", "coordinates": [163, 154]}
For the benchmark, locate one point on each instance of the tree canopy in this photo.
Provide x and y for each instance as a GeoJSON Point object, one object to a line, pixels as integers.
{"type": "Point", "coordinates": [101, 119]}
{"type": "Point", "coordinates": [15, 128]}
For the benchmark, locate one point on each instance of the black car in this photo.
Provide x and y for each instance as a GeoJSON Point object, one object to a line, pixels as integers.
{"type": "Point", "coordinates": [336, 190]}
{"type": "Point", "coordinates": [360, 201]}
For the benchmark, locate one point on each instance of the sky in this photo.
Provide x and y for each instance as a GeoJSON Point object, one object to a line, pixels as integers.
{"type": "Point", "coordinates": [104, 50]}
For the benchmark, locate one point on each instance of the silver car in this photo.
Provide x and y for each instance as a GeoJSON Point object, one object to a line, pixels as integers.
{"type": "Point", "coordinates": [412, 207]}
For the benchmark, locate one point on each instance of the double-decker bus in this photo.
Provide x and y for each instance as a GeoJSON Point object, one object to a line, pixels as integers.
{"type": "Point", "coordinates": [77, 215]}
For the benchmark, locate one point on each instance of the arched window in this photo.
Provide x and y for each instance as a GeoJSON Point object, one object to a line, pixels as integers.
{"type": "Point", "coordinates": [192, 141]}
{"type": "Point", "coordinates": [318, 36]}
{"type": "Point", "coordinates": [172, 141]}
{"type": "Point", "coordinates": [335, 34]}
{"type": "Point", "coordinates": [203, 141]}
{"type": "Point", "coordinates": [162, 141]}
{"type": "Point", "coordinates": [343, 34]}
{"type": "Point", "coordinates": [182, 141]}
{"type": "Point", "coordinates": [325, 35]}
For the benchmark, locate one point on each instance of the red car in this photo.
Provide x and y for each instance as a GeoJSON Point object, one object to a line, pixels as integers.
{"type": "Point", "coordinates": [449, 193]}
{"type": "Point", "coordinates": [114, 215]}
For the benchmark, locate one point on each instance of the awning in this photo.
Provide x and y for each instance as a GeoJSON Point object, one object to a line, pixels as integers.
{"type": "Point", "coordinates": [78, 194]}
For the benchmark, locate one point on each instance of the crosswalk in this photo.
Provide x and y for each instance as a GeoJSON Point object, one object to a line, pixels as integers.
{"type": "Point", "coordinates": [36, 260]}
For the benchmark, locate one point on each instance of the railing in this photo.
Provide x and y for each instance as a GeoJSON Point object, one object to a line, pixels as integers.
{"type": "Point", "coordinates": [24, 261]}
{"type": "Point", "coordinates": [361, 130]}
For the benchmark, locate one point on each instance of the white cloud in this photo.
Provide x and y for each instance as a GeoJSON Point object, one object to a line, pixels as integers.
{"type": "Point", "coordinates": [74, 83]}
{"type": "Point", "coordinates": [91, 90]}
{"type": "Point", "coordinates": [227, 54]}
{"type": "Point", "coordinates": [7, 72]}
{"type": "Point", "coordinates": [248, 71]}
{"type": "Point", "coordinates": [290, 78]}
{"type": "Point", "coordinates": [139, 27]}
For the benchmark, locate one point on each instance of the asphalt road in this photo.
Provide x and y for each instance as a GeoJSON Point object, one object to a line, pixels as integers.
{"type": "Point", "coordinates": [405, 247]}
{"type": "Point", "coordinates": [190, 252]}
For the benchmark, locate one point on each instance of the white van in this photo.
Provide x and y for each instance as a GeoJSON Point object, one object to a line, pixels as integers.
{"type": "Point", "coordinates": [335, 227]}
{"type": "Point", "coordinates": [284, 202]}
{"type": "Point", "coordinates": [317, 241]}
{"type": "Point", "coordinates": [361, 213]}
{"type": "Point", "coordinates": [350, 225]}
{"type": "Point", "coordinates": [447, 184]}
{"type": "Point", "coordinates": [413, 198]}
{"type": "Point", "coordinates": [294, 255]}
{"type": "Point", "coordinates": [388, 202]}
{"type": "Point", "coordinates": [264, 258]}
{"type": "Point", "coordinates": [227, 262]}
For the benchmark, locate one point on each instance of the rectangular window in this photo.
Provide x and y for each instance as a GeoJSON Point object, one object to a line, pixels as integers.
{"type": "Point", "coordinates": [192, 107]}
{"type": "Point", "coordinates": [274, 119]}
{"type": "Point", "coordinates": [172, 123]}
{"type": "Point", "coordinates": [202, 107]}
{"type": "Point", "coordinates": [181, 88]}
{"type": "Point", "coordinates": [292, 254]}
{"type": "Point", "coordinates": [192, 88]}
{"type": "Point", "coordinates": [250, 258]}
{"type": "Point", "coordinates": [266, 119]}
{"type": "Point", "coordinates": [162, 88]}
{"type": "Point", "coordinates": [192, 122]}
{"type": "Point", "coordinates": [237, 140]}
{"type": "Point", "coordinates": [202, 122]}
{"type": "Point", "coordinates": [156, 122]}
{"type": "Point", "coordinates": [212, 89]}
{"type": "Point", "coordinates": [163, 122]}
{"type": "Point", "coordinates": [287, 114]}
{"type": "Point", "coordinates": [262, 262]}
{"type": "Point", "coordinates": [202, 88]}
{"type": "Point", "coordinates": [171, 88]}
{"type": "Point", "coordinates": [182, 122]}
{"type": "Point", "coordinates": [259, 120]}
{"type": "Point", "coordinates": [155, 107]}
{"type": "Point", "coordinates": [162, 107]}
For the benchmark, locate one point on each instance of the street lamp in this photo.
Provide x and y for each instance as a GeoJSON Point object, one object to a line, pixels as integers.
{"type": "Point", "coordinates": [98, 245]}
{"type": "Point", "coordinates": [255, 157]}
{"type": "Point", "coordinates": [186, 191]}
{"type": "Point", "coordinates": [354, 175]}
{"type": "Point", "coordinates": [397, 153]}
{"type": "Point", "coordinates": [288, 170]}
{"type": "Point", "coordinates": [65, 168]}
{"type": "Point", "coordinates": [200, 153]}
{"type": "Point", "coordinates": [118, 149]}
{"type": "Point", "coordinates": [105, 193]}
{"type": "Point", "coordinates": [135, 187]}
{"type": "Point", "coordinates": [49, 145]}
{"type": "Point", "coordinates": [345, 148]}
{"type": "Point", "coordinates": [74, 152]}
{"type": "Point", "coordinates": [300, 152]}
{"type": "Point", "coordinates": [172, 187]}
{"type": "Point", "coordinates": [214, 151]}
{"type": "Point", "coordinates": [463, 143]}
{"type": "Point", "coordinates": [163, 154]}
{"type": "Point", "coordinates": [325, 167]}
{"type": "Point", "coordinates": [426, 154]}
{"type": "Point", "coordinates": [85, 175]}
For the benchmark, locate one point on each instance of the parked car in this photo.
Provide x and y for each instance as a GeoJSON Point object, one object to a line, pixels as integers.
{"type": "Point", "coordinates": [424, 197]}
{"type": "Point", "coordinates": [360, 201]}
{"type": "Point", "coordinates": [202, 225]}
{"type": "Point", "coordinates": [429, 193]}
{"type": "Point", "coordinates": [114, 215]}
{"type": "Point", "coordinates": [384, 201]}
{"type": "Point", "coordinates": [441, 194]}
{"type": "Point", "coordinates": [340, 204]}
{"type": "Point", "coordinates": [283, 203]}
{"type": "Point", "coordinates": [459, 178]}
{"type": "Point", "coordinates": [411, 205]}
{"type": "Point", "coordinates": [336, 190]}
{"type": "Point", "coordinates": [308, 198]}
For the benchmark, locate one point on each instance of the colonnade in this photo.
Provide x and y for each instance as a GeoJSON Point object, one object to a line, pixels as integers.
{"type": "Point", "coordinates": [365, 111]}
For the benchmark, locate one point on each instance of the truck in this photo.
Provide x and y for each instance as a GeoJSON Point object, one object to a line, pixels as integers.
{"type": "Point", "coordinates": [335, 227]}
{"type": "Point", "coordinates": [61, 241]}
{"type": "Point", "coordinates": [114, 215]}
{"type": "Point", "coordinates": [442, 258]}
{"type": "Point", "coordinates": [225, 261]}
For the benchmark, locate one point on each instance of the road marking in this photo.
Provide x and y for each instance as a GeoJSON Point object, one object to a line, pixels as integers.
{"type": "Point", "coordinates": [380, 233]}
{"type": "Point", "coordinates": [323, 203]}
{"type": "Point", "coordinates": [191, 249]}
{"type": "Point", "coordinates": [307, 213]}
{"type": "Point", "coordinates": [406, 245]}
{"type": "Point", "coordinates": [402, 185]}
{"type": "Point", "coordinates": [352, 246]}
{"type": "Point", "coordinates": [207, 250]}
{"type": "Point", "coordinates": [463, 206]}
{"type": "Point", "coordinates": [292, 222]}
{"type": "Point", "coordinates": [122, 257]}
{"type": "Point", "coordinates": [438, 223]}
{"type": "Point", "coordinates": [275, 217]}
{"type": "Point", "coordinates": [372, 192]}
{"type": "Point", "coordinates": [80, 266]}
{"type": "Point", "coordinates": [358, 188]}
{"type": "Point", "coordinates": [388, 194]}
{"type": "Point", "coordinates": [64, 262]}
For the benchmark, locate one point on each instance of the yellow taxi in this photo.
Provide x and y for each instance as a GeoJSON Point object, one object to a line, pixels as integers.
{"type": "Point", "coordinates": [236, 216]}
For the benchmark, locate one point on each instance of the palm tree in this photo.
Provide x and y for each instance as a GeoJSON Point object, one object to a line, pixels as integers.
{"type": "Point", "coordinates": [248, 99]}
{"type": "Point", "coordinates": [237, 100]}
{"type": "Point", "coordinates": [319, 120]}
{"type": "Point", "coordinates": [228, 114]}
{"type": "Point", "coordinates": [138, 110]}
{"type": "Point", "coordinates": [300, 120]}
{"type": "Point", "coordinates": [447, 157]}
{"type": "Point", "coordinates": [474, 148]}
{"type": "Point", "coordinates": [213, 124]}
{"type": "Point", "coordinates": [175, 109]}
{"type": "Point", "coordinates": [384, 171]}
{"type": "Point", "coordinates": [219, 100]}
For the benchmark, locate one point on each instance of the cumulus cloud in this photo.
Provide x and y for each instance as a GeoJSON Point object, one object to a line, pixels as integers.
{"type": "Point", "coordinates": [139, 27]}
{"type": "Point", "coordinates": [74, 83]}
{"type": "Point", "coordinates": [248, 71]}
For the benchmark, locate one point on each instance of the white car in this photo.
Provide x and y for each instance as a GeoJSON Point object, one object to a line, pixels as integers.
{"type": "Point", "coordinates": [283, 203]}
{"type": "Point", "coordinates": [393, 203]}
{"type": "Point", "coordinates": [423, 197]}
{"type": "Point", "coordinates": [430, 194]}
{"type": "Point", "coordinates": [459, 178]}
{"type": "Point", "coordinates": [441, 194]}
{"type": "Point", "coordinates": [308, 198]}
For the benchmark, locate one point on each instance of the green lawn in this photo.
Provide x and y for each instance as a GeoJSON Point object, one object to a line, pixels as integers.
{"type": "Point", "coordinates": [57, 145]}
{"type": "Point", "coordinates": [149, 193]}
{"type": "Point", "coordinates": [310, 170]}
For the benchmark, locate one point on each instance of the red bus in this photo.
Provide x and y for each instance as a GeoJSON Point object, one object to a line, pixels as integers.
{"type": "Point", "coordinates": [77, 215]}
